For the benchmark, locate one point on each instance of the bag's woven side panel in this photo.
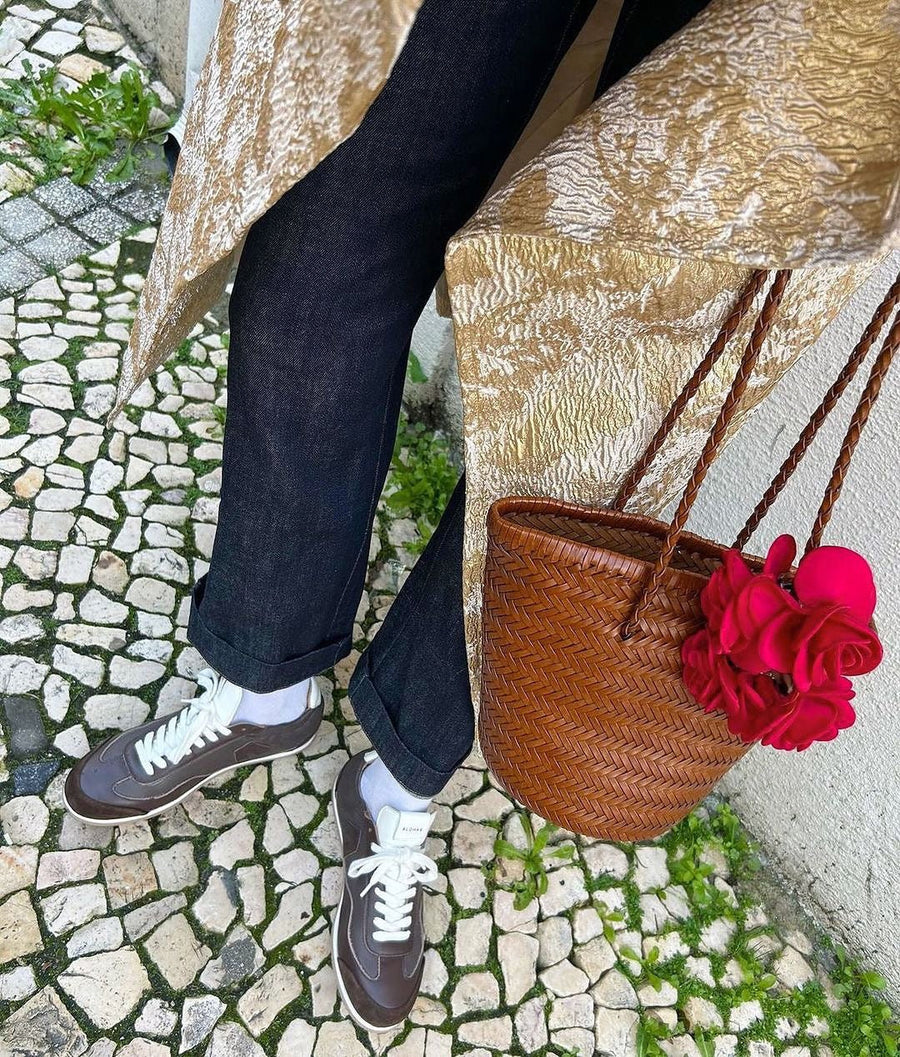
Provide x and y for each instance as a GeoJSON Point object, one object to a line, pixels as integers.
{"type": "Point", "coordinates": [595, 733]}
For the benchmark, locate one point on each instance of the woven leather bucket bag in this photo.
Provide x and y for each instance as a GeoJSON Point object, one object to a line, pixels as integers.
{"type": "Point", "coordinates": [584, 715]}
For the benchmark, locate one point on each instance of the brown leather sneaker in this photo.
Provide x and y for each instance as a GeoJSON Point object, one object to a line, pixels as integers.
{"type": "Point", "coordinates": [378, 940]}
{"type": "Point", "coordinates": [145, 771]}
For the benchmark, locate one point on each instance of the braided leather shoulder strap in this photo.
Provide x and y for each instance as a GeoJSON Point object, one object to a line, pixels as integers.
{"type": "Point", "coordinates": [749, 360]}
{"type": "Point", "coordinates": [710, 449]}
{"type": "Point", "coordinates": [879, 371]}
{"type": "Point", "coordinates": [818, 417]}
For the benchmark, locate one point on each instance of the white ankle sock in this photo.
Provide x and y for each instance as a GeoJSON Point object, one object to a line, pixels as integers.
{"type": "Point", "coordinates": [379, 788]}
{"type": "Point", "coordinates": [280, 706]}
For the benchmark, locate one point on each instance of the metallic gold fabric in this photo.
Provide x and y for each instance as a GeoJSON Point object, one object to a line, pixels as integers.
{"type": "Point", "coordinates": [283, 84]}
{"type": "Point", "coordinates": [586, 290]}
{"type": "Point", "coordinates": [570, 91]}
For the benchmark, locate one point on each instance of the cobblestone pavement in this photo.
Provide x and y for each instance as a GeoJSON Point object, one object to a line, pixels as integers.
{"type": "Point", "coordinates": [46, 225]}
{"type": "Point", "coordinates": [207, 931]}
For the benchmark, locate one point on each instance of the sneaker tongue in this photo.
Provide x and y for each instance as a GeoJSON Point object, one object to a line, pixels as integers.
{"type": "Point", "coordinates": [406, 828]}
{"type": "Point", "coordinates": [229, 700]}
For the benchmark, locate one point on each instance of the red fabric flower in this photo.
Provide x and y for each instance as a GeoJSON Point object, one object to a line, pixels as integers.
{"type": "Point", "coordinates": [747, 700]}
{"type": "Point", "coordinates": [781, 556]}
{"type": "Point", "coordinates": [760, 625]}
{"type": "Point", "coordinates": [731, 576]}
{"type": "Point", "coordinates": [817, 714]}
{"type": "Point", "coordinates": [707, 674]}
{"type": "Point", "coordinates": [758, 705]}
{"type": "Point", "coordinates": [836, 576]}
{"type": "Point", "coordinates": [831, 642]}
{"type": "Point", "coordinates": [775, 661]}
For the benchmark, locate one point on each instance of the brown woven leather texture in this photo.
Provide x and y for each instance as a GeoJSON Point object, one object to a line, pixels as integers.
{"type": "Point", "coordinates": [593, 732]}
{"type": "Point", "coordinates": [585, 718]}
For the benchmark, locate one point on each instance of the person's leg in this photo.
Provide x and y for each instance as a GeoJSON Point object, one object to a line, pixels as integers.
{"type": "Point", "coordinates": [331, 282]}
{"type": "Point", "coordinates": [489, 62]}
{"type": "Point", "coordinates": [643, 25]}
{"type": "Point", "coordinates": [330, 285]}
{"type": "Point", "coordinates": [410, 688]}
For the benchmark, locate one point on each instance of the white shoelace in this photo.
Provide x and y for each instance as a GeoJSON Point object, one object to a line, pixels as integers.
{"type": "Point", "coordinates": [396, 870]}
{"type": "Point", "coordinates": [205, 719]}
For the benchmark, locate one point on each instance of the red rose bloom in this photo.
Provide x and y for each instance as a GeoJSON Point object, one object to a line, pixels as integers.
{"type": "Point", "coordinates": [723, 585]}
{"type": "Point", "coordinates": [747, 700]}
{"type": "Point", "coordinates": [759, 626]}
{"type": "Point", "coordinates": [817, 714]}
{"type": "Point", "coordinates": [707, 674]}
{"type": "Point", "coordinates": [759, 702]}
{"type": "Point", "coordinates": [775, 662]}
{"type": "Point", "coordinates": [832, 642]}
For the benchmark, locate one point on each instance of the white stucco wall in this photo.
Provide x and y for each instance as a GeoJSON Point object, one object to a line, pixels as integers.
{"type": "Point", "coordinates": [830, 816]}
{"type": "Point", "coordinates": [177, 34]}
{"type": "Point", "coordinates": [432, 343]}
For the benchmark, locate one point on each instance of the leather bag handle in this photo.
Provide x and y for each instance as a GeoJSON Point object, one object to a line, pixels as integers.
{"type": "Point", "coordinates": [735, 394]}
{"type": "Point", "coordinates": [710, 448]}
{"type": "Point", "coordinates": [863, 409]}
{"type": "Point", "coordinates": [818, 417]}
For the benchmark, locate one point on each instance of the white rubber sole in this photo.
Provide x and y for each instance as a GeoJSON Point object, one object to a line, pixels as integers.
{"type": "Point", "coordinates": [345, 998]}
{"type": "Point", "coordinates": [193, 789]}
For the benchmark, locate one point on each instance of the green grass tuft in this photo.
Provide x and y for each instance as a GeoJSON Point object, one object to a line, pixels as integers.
{"type": "Point", "coordinates": [424, 478]}
{"type": "Point", "coordinates": [75, 130]}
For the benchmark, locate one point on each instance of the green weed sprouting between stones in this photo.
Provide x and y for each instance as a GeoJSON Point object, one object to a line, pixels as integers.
{"type": "Point", "coordinates": [533, 882]}
{"type": "Point", "coordinates": [74, 130]}
{"type": "Point", "coordinates": [648, 964]}
{"type": "Point", "coordinates": [863, 1016]}
{"type": "Point", "coordinates": [863, 1025]}
{"type": "Point", "coordinates": [424, 478]}
{"type": "Point", "coordinates": [414, 370]}
{"type": "Point", "coordinates": [648, 1034]}
{"type": "Point", "coordinates": [706, 1046]}
{"type": "Point", "coordinates": [609, 918]}
{"type": "Point", "coordinates": [687, 842]}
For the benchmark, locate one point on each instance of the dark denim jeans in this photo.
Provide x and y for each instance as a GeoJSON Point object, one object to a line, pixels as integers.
{"type": "Point", "coordinates": [331, 282]}
{"type": "Point", "coordinates": [641, 26]}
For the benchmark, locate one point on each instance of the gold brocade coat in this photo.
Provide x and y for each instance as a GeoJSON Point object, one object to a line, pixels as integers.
{"type": "Point", "coordinates": [585, 289]}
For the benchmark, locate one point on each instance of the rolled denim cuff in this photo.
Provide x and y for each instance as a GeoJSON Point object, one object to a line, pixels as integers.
{"type": "Point", "coordinates": [413, 773]}
{"type": "Point", "coordinates": [251, 673]}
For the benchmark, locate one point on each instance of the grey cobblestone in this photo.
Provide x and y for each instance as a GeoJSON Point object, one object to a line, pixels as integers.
{"type": "Point", "coordinates": [22, 218]}
{"type": "Point", "coordinates": [54, 223]}
{"type": "Point", "coordinates": [63, 197]}
{"type": "Point", "coordinates": [101, 224]}
{"type": "Point", "coordinates": [57, 247]}
{"type": "Point", "coordinates": [17, 270]}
